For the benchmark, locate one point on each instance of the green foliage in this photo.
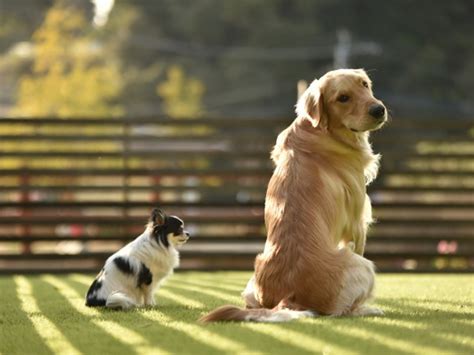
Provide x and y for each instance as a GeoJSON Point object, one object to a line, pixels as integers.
{"type": "Point", "coordinates": [71, 75]}
{"type": "Point", "coordinates": [182, 95]}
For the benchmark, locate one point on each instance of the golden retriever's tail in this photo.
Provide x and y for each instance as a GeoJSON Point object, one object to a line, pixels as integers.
{"type": "Point", "coordinates": [236, 314]}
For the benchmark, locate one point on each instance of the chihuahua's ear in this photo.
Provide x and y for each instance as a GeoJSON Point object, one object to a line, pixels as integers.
{"type": "Point", "coordinates": [309, 105]}
{"type": "Point", "coordinates": [157, 217]}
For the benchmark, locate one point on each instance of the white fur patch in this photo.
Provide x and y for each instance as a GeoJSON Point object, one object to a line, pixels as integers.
{"type": "Point", "coordinates": [249, 294]}
{"type": "Point", "coordinates": [283, 315]}
{"type": "Point", "coordinates": [119, 300]}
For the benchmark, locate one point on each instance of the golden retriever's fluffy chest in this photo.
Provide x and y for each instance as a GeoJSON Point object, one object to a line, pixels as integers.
{"type": "Point", "coordinates": [348, 192]}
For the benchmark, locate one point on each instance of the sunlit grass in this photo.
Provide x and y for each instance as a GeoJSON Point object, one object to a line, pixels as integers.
{"type": "Point", "coordinates": [424, 314]}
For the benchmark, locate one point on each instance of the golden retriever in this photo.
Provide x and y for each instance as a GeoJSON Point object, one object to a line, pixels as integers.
{"type": "Point", "coordinates": [317, 211]}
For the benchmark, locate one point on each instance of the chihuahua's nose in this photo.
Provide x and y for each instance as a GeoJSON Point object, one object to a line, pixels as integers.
{"type": "Point", "coordinates": [187, 234]}
{"type": "Point", "coordinates": [377, 111]}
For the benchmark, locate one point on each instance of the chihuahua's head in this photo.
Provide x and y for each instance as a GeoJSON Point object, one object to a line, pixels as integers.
{"type": "Point", "coordinates": [166, 229]}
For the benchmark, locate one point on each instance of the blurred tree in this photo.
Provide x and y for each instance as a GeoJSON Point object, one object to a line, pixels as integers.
{"type": "Point", "coordinates": [250, 54]}
{"type": "Point", "coordinates": [182, 95]}
{"type": "Point", "coordinates": [72, 75]}
{"type": "Point", "coordinates": [428, 49]}
{"type": "Point", "coordinates": [229, 44]}
{"type": "Point", "coordinates": [19, 19]}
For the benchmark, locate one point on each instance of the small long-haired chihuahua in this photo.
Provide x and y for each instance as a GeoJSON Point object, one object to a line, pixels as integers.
{"type": "Point", "coordinates": [130, 277]}
{"type": "Point", "coordinates": [317, 211]}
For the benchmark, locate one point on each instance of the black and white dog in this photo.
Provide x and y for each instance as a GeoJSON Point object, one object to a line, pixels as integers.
{"type": "Point", "coordinates": [131, 275]}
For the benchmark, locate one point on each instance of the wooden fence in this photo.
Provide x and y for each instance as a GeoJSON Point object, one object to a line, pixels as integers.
{"type": "Point", "coordinates": [73, 191]}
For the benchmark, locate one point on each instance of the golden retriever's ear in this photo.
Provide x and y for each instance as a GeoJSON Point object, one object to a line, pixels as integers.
{"type": "Point", "coordinates": [308, 104]}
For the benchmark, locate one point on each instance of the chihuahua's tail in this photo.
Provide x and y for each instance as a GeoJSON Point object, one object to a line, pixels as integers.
{"type": "Point", "coordinates": [233, 313]}
{"type": "Point", "coordinates": [119, 300]}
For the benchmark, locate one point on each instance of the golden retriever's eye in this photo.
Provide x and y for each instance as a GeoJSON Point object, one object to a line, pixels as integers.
{"type": "Point", "coordinates": [343, 98]}
{"type": "Point", "coordinates": [365, 84]}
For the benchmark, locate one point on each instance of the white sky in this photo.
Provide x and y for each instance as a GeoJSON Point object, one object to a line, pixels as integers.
{"type": "Point", "coordinates": [101, 11]}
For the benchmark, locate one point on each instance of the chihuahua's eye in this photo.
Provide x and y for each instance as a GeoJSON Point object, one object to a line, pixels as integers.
{"type": "Point", "coordinates": [343, 98]}
{"type": "Point", "coordinates": [365, 84]}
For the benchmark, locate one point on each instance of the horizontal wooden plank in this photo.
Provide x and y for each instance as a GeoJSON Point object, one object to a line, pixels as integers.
{"type": "Point", "coordinates": [211, 220]}
{"type": "Point", "coordinates": [210, 266]}
{"type": "Point", "coordinates": [208, 152]}
{"type": "Point", "coordinates": [224, 189]}
{"type": "Point", "coordinates": [217, 171]}
{"type": "Point", "coordinates": [374, 188]}
{"type": "Point", "coordinates": [228, 172]}
{"type": "Point", "coordinates": [235, 152]}
{"type": "Point", "coordinates": [405, 122]}
{"type": "Point", "coordinates": [387, 239]}
{"type": "Point", "coordinates": [382, 140]}
{"type": "Point", "coordinates": [123, 220]}
{"type": "Point", "coordinates": [212, 203]}
{"type": "Point", "coordinates": [157, 121]}
{"type": "Point", "coordinates": [225, 253]}
{"type": "Point", "coordinates": [128, 204]}
{"type": "Point", "coordinates": [378, 186]}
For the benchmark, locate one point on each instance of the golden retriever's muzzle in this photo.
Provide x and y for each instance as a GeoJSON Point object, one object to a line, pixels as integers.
{"type": "Point", "coordinates": [378, 113]}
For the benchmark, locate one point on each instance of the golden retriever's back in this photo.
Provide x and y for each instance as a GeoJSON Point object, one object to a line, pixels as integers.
{"type": "Point", "coordinates": [287, 269]}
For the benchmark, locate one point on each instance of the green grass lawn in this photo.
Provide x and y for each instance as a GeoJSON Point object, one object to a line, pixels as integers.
{"type": "Point", "coordinates": [424, 314]}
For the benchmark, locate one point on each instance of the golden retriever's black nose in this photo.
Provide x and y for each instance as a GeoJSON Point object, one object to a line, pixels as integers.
{"type": "Point", "coordinates": [377, 111]}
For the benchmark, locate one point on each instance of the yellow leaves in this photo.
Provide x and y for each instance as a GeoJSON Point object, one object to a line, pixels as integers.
{"type": "Point", "coordinates": [71, 76]}
{"type": "Point", "coordinates": [182, 95]}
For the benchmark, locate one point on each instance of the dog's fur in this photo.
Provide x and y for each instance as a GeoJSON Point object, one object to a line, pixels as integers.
{"type": "Point", "coordinates": [131, 275]}
{"type": "Point", "coordinates": [316, 210]}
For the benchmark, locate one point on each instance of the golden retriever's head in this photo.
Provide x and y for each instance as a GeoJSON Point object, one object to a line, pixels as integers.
{"type": "Point", "coordinates": [342, 100]}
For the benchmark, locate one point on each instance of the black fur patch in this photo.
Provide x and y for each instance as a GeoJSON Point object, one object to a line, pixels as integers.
{"type": "Point", "coordinates": [172, 225]}
{"type": "Point", "coordinates": [95, 302]}
{"type": "Point", "coordinates": [91, 300]}
{"type": "Point", "coordinates": [123, 265]}
{"type": "Point", "coordinates": [144, 276]}
{"type": "Point", "coordinates": [161, 236]}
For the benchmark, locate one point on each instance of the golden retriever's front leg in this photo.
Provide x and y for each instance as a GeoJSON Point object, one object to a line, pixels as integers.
{"type": "Point", "coordinates": [360, 232]}
{"type": "Point", "coordinates": [359, 241]}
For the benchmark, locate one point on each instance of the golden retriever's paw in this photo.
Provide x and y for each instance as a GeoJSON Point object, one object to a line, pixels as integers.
{"type": "Point", "coordinates": [367, 311]}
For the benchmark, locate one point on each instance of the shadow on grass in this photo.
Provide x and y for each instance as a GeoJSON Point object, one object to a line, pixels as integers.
{"type": "Point", "coordinates": [222, 286]}
{"type": "Point", "coordinates": [441, 325]}
{"type": "Point", "coordinates": [205, 293]}
{"type": "Point", "coordinates": [464, 305]}
{"type": "Point", "coordinates": [16, 325]}
{"type": "Point", "coordinates": [76, 327]}
{"type": "Point", "coordinates": [410, 325]}
{"type": "Point", "coordinates": [291, 335]}
{"type": "Point", "coordinates": [221, 278]}
{"type": "Point", "coordinates": [250, 337]}
{"type": "Point", "coordinates": [416, 307]}
{"type": "Point", "coordinates": [372, 334]}
{"type": "Point", "coordinates": [157, 333]}
{"type": "Point", "coordinates": [419, 339]}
